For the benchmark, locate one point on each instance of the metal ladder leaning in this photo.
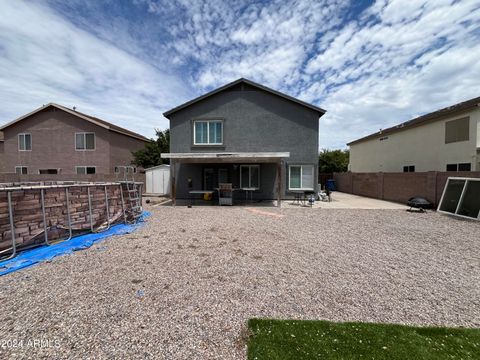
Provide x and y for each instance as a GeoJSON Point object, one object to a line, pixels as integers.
{"type": "Point", "coordinates": [134, 195]}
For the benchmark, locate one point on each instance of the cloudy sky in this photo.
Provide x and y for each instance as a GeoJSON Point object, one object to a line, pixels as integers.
{"type": "Point", "coordinates": [371, 64]}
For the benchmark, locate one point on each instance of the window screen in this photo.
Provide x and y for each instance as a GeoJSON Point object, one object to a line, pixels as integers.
{"type": "Point", "coordinates": [48, 171]}
{"type": "Point", "coordinates": [81, 170]}
{"type": "Point", "coordinates": [452, 195]}
{"type": "Point", "coordinates": [457, 130]}
{"type": "Point", "coordinates": [301, 177]}
{"type": "Point", "coordinates": [209, 132]}
{"type": "Point", "coordinates": [470, 205]}
{"type": "Point", "coordinates": [21, 170]}
{"type": "Point", "coordinates": [464, 167]}
{"type": "Point", "coordinates": [25, 142]}
{"type": "Point", "coordinates": [250, 176]}
{"type": "Point", "coordinates": [90, 141]}
{"type": "Point", "coordinates": [307, 177]}
{"type": "Point", "coordinates": [295, 177]}
{"type": "Point", "coordinates": [85, 141]}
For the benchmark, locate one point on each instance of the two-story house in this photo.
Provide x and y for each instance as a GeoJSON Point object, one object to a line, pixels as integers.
{"type": "Point", "coordinates": [445, 140]}
{"type": "Point", "coordinates": [264, 143]}
{"type": "Point", "coordinates": [54, 139]}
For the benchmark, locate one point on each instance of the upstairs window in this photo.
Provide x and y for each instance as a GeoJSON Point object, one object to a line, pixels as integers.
{"type": "Point", "coordinates": [457, 130]}
{"type": "Point", "coordinates": [250, 177]}
{"type": "Point", "coordinates": [300, 177]}
{"type": "Point", "coordinates": [208, 132]}
{"type": "Point", "coordinates": [24, 142]}
{"type": "Point", "coordinates": [409, 168]}
{"type": "Point", "coordinates": [84, 141]}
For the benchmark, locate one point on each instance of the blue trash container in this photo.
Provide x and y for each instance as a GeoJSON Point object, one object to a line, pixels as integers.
{"type": "Point", "coordinates": [330, 184]}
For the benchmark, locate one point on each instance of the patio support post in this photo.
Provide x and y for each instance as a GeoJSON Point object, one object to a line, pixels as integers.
{"type": "Point", "coordinates": [12, 225]}
{"type": "Point", "coordinates": [173, 178]}
{"type": "Point", "coordinates": [67, 201]}
{"type": "Point", "coordinates": [45, 229]}
{"type": "Point", "coordinates": [90, 208]}
{"type": "Point", "coordinates": [279, 183]}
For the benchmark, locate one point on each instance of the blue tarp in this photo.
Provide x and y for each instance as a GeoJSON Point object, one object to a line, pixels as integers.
{"type": "Point", "coordinates": [48, 252]}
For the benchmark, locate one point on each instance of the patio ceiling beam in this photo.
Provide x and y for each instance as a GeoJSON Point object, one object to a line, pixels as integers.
{"type": "Point", "coordinates": [225, 155]}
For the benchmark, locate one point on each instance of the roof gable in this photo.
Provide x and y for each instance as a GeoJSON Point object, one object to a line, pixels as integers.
{"type": "Point", "coordinates": [241, 84]}
{"type": "Point", "coordinates": [91, 119]}
{"type": "Point", "coordinates": [424, 119]}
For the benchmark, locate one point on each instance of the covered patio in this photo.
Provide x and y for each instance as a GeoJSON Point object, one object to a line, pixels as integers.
{"type": "Point", "coordinates": [238, 176]}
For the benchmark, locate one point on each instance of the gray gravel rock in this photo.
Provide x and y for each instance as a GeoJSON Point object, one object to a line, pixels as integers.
{"type": "Point", "coordinates": [184, 285]}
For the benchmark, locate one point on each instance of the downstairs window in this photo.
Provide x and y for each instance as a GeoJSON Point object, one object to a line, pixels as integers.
{"type": "Point", "coordinates": [300, 177]}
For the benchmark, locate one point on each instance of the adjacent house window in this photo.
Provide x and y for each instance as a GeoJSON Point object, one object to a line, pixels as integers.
{"type": "Point", "coordinates": [250, 177]}
{"type": "Point", "coordinates": [409, 168]}
{"type": "Point", "coordinates": [459, 167]}
{"type": "Point", "coordinates": [208, 132]}
{"type": "Point", "coordinates": [81, 170]}
{"type": "Point", "coordinates": [21, 170]}
{"type": "Point", "coordinates": [84, 141]}
{"type": "Point", "coordinates": [457, 130]}
{"type": "Point", "coordinates": [48, 171]}
{"type": "Point", "coordinates": [300, 177]}
{"type": "Point", "coordinates": [24, 142]}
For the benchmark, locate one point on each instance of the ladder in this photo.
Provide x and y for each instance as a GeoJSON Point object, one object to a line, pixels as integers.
{"type": "Point", "coordinates": [134, 207]}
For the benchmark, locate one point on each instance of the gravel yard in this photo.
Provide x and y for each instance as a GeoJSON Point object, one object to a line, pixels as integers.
{"type": "Point", "coordinates": [184, 285]}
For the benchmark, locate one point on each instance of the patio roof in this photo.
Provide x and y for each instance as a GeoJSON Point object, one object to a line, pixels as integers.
{"type": "Point", "coordinates": [225, 157]}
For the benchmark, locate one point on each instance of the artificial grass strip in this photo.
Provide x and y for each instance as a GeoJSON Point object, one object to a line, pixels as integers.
{"type": "Point", "coordinates": [305, 339]}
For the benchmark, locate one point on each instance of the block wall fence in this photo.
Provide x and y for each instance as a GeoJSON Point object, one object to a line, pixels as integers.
{"type": "Point", "coordinates": [398, 187]}
{"type": "Point", "coordinates": [28, 215]}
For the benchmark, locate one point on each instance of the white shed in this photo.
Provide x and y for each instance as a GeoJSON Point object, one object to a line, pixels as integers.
{"type": "Point", "coordinates": [158, 180]}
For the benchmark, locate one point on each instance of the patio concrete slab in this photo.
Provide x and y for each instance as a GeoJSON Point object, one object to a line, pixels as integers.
{"type": "Point", "coordinates": [348, 201]}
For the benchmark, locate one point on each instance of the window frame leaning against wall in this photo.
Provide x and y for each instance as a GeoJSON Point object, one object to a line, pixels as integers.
{"type": "Point", "coordinates": [208, 132]}
{"type": "Point", "coordinates": [302, 187]}
{"type": "Point", "coordinates": [85, 133]}
{"type": "Point", "coordinates": [24, 135]}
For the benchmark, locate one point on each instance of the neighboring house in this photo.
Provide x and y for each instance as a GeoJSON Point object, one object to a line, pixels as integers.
{"type": "Point", "coordinates": [246, 134]}
{"type": "Point", "coordinates": [444, 140]}
{"type": "Point", "coordinates": [57, 140]}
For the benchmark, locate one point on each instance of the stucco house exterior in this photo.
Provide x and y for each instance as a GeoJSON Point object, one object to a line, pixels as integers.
{"type": "Point", "coordinates": [54, 139]}
{"type": "Point", "coordinates": [444, 140]}
{"type": "Point", "coordinates": [255, 138]}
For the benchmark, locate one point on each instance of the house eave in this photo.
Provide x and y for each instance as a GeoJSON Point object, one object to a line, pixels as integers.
{"type": "Point", "coordinates": [319, 110]}
{"type": "Point", "coordinates": [225, 157]}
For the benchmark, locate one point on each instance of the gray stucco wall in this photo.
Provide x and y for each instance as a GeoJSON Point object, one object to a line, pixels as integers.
{"type": "Point", "coordinates": [254, 121]}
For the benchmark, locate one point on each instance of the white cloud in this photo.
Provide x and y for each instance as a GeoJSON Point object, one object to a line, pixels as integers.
{"type": "Point", "coordinates": [395, 60]}
{"type": "Point", "coordinates": [50, 60]}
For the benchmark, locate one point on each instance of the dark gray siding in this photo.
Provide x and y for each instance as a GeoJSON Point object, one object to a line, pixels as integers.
{"type": "Point", "coordinates": [195, 172]}
{"type": "Point", "coordinates": [254, 121]}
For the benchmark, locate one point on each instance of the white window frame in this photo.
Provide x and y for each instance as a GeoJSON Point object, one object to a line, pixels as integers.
{"type": "Point", "coordinates": [85, 166]}
{"type": "Point", "coordinates": [31, 143]}
{"type": "Point", "coordinates": [208, 143]}
{"type": "Point", "coordinates": [301, 166]}
{"type": "Point", "coordinates": [249, 176]}
{"type": "Point", "coordinates": [85, 141]}
{"type": "Point", "coordinates": [21, 167]}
